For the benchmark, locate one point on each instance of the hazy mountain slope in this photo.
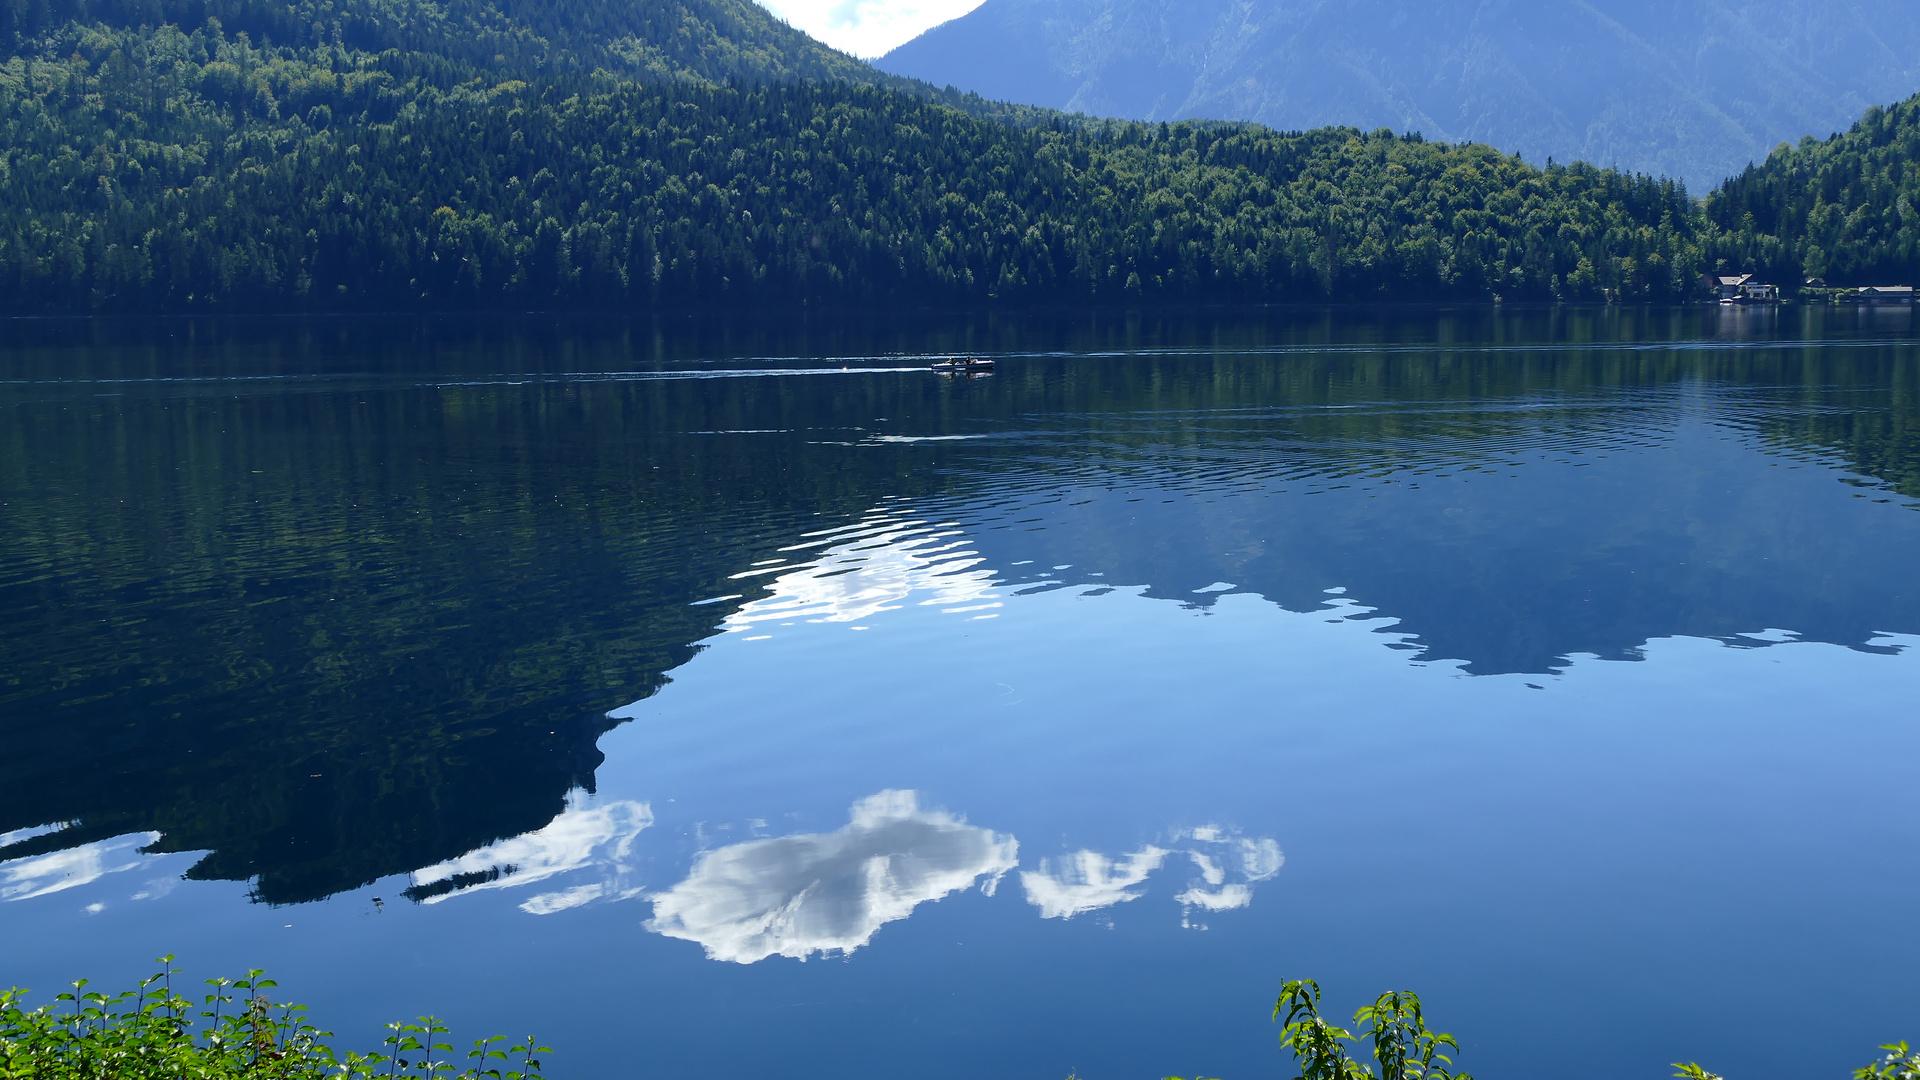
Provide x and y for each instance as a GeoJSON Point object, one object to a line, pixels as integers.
{"type": "Point", "coordinates": [1690, 88]}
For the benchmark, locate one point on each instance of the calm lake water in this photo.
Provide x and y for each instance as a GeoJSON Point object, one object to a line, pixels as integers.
{"type": "Point", "coordinates": [737, 700]}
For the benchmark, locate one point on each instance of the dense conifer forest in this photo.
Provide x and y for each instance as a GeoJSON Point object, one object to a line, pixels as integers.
{"type": "Point", "coordinates": [253, 155]}
{"type": "Point", "coordinates": [1842, 209]}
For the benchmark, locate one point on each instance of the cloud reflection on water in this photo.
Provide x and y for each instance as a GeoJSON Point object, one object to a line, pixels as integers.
{"type": "Point", "coordinates": [1088, 880]}
{"type": "Point", "coordinates": [829, 892]}
{"type": "Point", "coordinates": [824, 893]}
{"type": "Point", "coordinates": [1252, 860]}
{"type": "Point", "coordinates": [581, 837]}
{"type": "Point", "coordinates": [870, 568]}
{"type": "Point", "coordinates": [39, 875]}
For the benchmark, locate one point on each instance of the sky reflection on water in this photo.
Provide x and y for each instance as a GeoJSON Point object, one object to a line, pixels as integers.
{"type": "Point", "coordinates": [814, 893]}
{"type": "Point", "coordinates": [1052, 719]}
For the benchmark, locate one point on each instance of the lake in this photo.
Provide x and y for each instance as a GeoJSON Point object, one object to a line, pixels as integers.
{"type": "Point", "coordinates": [741, 698]}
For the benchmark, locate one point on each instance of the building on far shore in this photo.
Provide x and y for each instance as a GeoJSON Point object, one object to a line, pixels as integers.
{"type": "Point", "coordinates": [1724, 286]}
{"type": "Point", "coordinates": [1886, 294]}
{"type": "Point", "coordinates": [1739, 289]}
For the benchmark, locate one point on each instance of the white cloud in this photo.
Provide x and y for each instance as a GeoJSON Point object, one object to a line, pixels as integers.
{"type": "Point", "coordinates": [867, 27]}
{"type": "Point", "coordinates": [581, 838]}
{"type": "Point", "coordinates": [1087, 880]}
{"type": "Point", "coordinates": [829, 892]}
{"type": "Point", "coordinates": [24, 879]}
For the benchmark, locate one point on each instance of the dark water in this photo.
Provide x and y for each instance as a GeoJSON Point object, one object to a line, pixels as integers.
{"type": "Point", "coordinates": [747, 700]}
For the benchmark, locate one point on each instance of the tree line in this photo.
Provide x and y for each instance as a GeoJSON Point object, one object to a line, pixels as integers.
{"type": "Point", "coordinates": [1841, 209]}
{"type": "Point", "coordinates": [386, 154]}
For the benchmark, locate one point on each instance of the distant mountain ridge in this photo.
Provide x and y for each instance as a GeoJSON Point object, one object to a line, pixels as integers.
{"type": "Point", "coordinates": [1692, 89]}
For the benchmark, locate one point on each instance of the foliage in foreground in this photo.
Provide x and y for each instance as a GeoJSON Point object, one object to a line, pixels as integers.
{"type": "Point", "coordinates": [1900, 1063]}
{"type": "Point", "coordinates": [1405, 1049]}
{"type": "Point", "coordinates": [236, 1030]}
{"type": "Point", "coordinates": [1403, 1046]}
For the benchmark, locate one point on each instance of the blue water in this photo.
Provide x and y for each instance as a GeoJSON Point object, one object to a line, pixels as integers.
{"type": "Point", "coordinates": [839, 718]}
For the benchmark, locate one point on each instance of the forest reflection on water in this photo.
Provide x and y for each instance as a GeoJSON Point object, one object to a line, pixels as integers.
{"type": "Point", "coordinates": [559, 623]}
{"type": "Point", "coordinates": [209, 552]}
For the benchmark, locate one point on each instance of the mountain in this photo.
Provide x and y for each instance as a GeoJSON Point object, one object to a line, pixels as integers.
{"type": "Point", "coordinates": [155, 170]}
{"type": "Point", "coordinates": [702, 40]}
{"type": "Point", "coordinates": [1692, 89]}
{"type": "Point", "coordinates": [354, 155]}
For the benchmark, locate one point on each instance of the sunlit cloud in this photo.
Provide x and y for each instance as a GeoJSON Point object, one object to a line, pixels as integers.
{"type": "Point", "coordinates": [24, 879]}
{"type": "Point", "coordinates": [829, 892]}
{"type": "Point", "coordinates": [581, 838]}
{"type": "Point", "coordinates": [867, 28]}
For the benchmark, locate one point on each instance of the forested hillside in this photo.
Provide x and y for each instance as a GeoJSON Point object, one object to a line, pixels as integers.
{"type": "Point", "coordinates": [713, 40]}
{"type": "Point", "coordinates": [365, 154]}
{"type": "Point", "coordinates": [158, 169]}
{"type": "Point", "coordinates": [1842, 209]}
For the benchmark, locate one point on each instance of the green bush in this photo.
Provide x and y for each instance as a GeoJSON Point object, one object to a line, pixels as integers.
{"type": "Point", "coordinates": [1405, 1049]}
{"type": "Point", "coordinates": [1402, 1045]}
{"type": "Point", "coordinates": [234, 1031]}
{"type": "Point", "coordinates": [1900, 1063]}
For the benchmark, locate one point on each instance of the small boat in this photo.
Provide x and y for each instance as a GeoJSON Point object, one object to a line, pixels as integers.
{"type": "Point", "coordinates": [971, 365]}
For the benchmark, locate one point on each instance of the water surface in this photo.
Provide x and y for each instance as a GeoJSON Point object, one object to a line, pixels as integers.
{"type": "Point", "coordinates": [747, 699]}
